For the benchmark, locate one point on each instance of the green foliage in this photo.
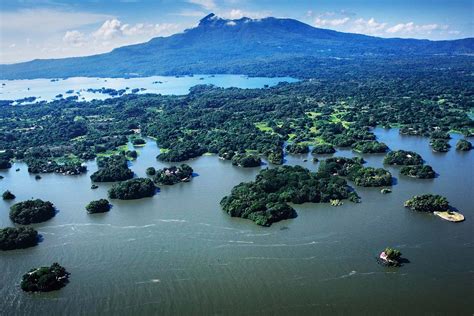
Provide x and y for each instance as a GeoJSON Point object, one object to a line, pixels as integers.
{"type": "Point", "coordinates": [440, 145]}
{"type": "Point", "coordinates": [428, 203]}
{"type": "Point", "coordinates": [132, 189]}
{"type": "Point", "coordinates": [17, 238]}
{"type": "Point", "coordinates": [403, 158]}
{"type": "Point", "coordinates": [45, 279]}
{"type": "Point", "coordinates": [297, 149]}
{"type": "Point", "coordinates": [113, 168]}
{"type": "Point", "coordinates": [463, 145]}
{"type": "Point", "coordinates": [150, 171]}
{"type": "Point", "coordinates": [31, 211]}
{"type": "Point", "coordinates": [370, 147]}
{"type": "Point", "coordinates": [138, 141]}
{"type": "Point", "coordinates": [418, 171]}
{"type": "Point", "coordinates": [7, 195]}
{"type": "Point", "coordinates": [265, 200]}
{"type": "Point", "coordinates": [173, 175]}
{"type": "Point", "coordinates": [323, 149]}
{"type": "Point", "coordinates": [246, 160]}
{"type": "Point", "coordinates": [99, 206]}
{"type": "Point", "coordinates": [392, 254]}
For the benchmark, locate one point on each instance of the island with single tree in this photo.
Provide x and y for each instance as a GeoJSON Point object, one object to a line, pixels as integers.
{"type": "Point", "coordinates": [32, 211]}
{"type": "Point", "coordinates": [7, 195]}
{"type": "Point", "coordinates": [173, 175]}
{"type": "Point", "coordinates": [45, 279]}
{"type": "Point", "coordinates": [17, 238]}
{"type": "Point", "coordinates": [132, 189]}
{"type": "Point", "coordinates": [265, 200]}
{"type": "Point", "coordinates": [390, 257]}
{"type": "Point", "coordinates": [98, 206]}
{"type": "Point", "coordinates": [403, 158]}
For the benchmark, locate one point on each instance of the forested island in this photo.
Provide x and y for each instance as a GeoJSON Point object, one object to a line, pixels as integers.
{"type": "Point", "coordinates": [428, 203]}
{"type": "Point", "coordinates": [45, 279]}
{"type": "Point", "coordinates": [403, 158]}
{"type": "Point", "coordinates": [353, 169]}
{"type": "Point", "coordinates": [32, 211]}
{"type": "Point", "coordinates": [111, 169]}
{"type": "Point", "coordinates": [463, 145]}
{"type": "Point", "coordinates": [418, 171]}
{"type": "Point", "coordinates": [369, 147]}
{"type": "Point", "coordinates": [246, 160]}
{"type": "Point", "coordinates": [18, 238]}
{"type": "Point", "coordinates": [99, 206]}
{"type": "Point", "coordinates": [132, 189]}
{"type": "Point", "coordinates": [173, 175]}
{"type": "Point", "coordinates": [265, 200]}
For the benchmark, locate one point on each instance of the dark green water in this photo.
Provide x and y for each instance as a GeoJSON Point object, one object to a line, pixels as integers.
{"type": "Point", "coordinates": [178, 253]}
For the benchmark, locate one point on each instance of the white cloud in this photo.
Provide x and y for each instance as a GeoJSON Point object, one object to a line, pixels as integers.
{"type": "Point", "coordinates": [370, 26]}
{"type": "Point", "coordinates": [234, 14]}
{"type": "Point", "coordinates": [206, 4]}
{"type": "Point", "coordinates": [330, 22]}
{"type": "Point", "coordinates": [74, 38]}
{"type": "Point", "coordinates": [412, 28]}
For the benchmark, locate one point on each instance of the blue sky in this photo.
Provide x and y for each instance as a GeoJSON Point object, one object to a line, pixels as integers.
{"type": "Point", "coordinates": [32, 29]}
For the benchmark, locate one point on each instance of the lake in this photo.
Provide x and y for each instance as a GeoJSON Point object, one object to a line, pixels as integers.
{"type": "Point", "coordinates": [179, 253]}
{"type": "Point", "coordinates": [48, 89]}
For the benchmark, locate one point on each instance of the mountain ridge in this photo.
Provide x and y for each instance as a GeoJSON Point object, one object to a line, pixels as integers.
{"type": "Point", "coordinates": [218, 45]}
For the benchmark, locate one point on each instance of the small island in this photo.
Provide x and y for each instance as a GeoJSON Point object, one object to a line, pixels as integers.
{"type": "Point", "coordinates": [265, 200]}
{"type": "Point", "coordinates": [138, 142]}
{"type": "Point", "coordinates": [297, 149]}
{"type": "Point", "coordinates": [418, 171]}
{"type": "Point", "coordinates": [440, 145]}
{"type": "Point", "coordinates": [436, 204]}
{"type": "Point", "coordinates": [99, 206]}
{"type": "Point", "coordinates": [403, 158]}
{"type": "Point", "coordinates": [45, 279]}
{"type": "Point", "coordinates": [370, 147]}
{"type": "Point", "coordinates": [246, 160]}
{"type": "Point", "coordinates": [111, 169]}
{"type": "Point", "coordinates": [390, 257]}
{"type": "Point", "coordinates": [132, 189]}
{"type": "Point", "coordinates": [18, 238]}
{"type": "Point", "coordinates": [7, 195]}
{"type": "Point", "coordinates": [323, 149]}
{"type": "Point", "coordinates": [32, 211]}
{"type": "Point", "coordinates": [150, 171]}
{"type": "Point", "coordinates": [463, 145]}
{"type": "Point", "coordinates": [173, 175]}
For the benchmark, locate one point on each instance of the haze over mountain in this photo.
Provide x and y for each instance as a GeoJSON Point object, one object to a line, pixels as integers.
{"type": "Point", "coordinates": [239, 46]}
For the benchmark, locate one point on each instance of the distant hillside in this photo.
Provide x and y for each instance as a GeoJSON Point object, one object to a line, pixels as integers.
{"type": "Point", "coordinates": [235, 46]}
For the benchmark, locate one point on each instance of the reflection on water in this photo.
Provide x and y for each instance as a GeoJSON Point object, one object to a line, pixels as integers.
{"type": "Point", "coordinates": [178, 253]}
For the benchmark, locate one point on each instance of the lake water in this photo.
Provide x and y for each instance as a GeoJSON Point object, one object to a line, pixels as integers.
{"type": "Point", "coordinates": [47, 89]}
{"type": "Point", "coordinates": [179, 253]}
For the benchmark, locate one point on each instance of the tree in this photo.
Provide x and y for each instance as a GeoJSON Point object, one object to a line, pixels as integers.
{"type": "Point", "coordinates": [132, 189]}
{"type": "Point", "coordinates": [7, 195]}
{"type": "Point", "coordinates": [428, 203]}
{"type": "Point", "coordinates": [99, 206]}
{"type": "Point", "coordinates": [32, 211]}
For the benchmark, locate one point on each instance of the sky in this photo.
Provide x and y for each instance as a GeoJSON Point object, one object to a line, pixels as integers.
{"type": "Point", "coordinates": [32, 29]}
